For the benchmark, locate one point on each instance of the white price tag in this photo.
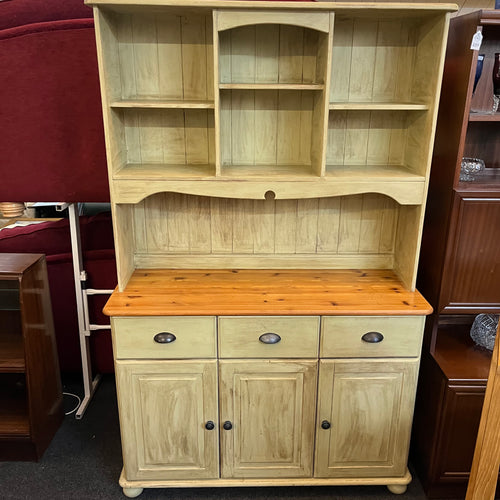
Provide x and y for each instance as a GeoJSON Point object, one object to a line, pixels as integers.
{"type": "Point", "coordinates": [476, 41]}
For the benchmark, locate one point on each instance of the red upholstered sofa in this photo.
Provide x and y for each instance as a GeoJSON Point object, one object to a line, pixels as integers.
{"type": "Point", "coordinates": [52, 139]}
{"type": "Point", "coordinates": [52, 149]}
{"type": "Point", "coordinates": [53, 239]}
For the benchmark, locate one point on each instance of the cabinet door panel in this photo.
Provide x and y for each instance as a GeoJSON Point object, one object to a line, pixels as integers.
{"type": "Point", "coordinates": [369, 405]}
{"type": "Point", "coordinates": [271, 405]}
{"type": "Point", "coordinates": [472, 274]}
{"type": "Point", "coordinates": [163, 410]}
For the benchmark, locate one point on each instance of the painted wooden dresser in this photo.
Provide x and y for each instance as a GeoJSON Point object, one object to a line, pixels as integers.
{"type": "Point", "coordinates": [268, 165]}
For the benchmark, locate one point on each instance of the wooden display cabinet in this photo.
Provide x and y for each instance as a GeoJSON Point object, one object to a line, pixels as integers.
{"type": "Point", "coordinates": [30, 386]}
{"type": "Point", "coordinates": [460, 261]}
{"type": "Point", "coordinates": [268, 167]}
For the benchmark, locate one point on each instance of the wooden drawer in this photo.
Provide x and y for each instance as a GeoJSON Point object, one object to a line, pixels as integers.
{"type": "Point", "coordinates": [194, 337]}
{"type": "Point", "coordinates": [239, 337]}
{"type": "Point", "coordinates": [341, 336]}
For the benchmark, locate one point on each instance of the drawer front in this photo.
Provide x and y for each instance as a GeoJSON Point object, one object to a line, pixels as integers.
{"type": "Point", "coordinates": [193, 337]}
{"type": "Point", "coordinates": [341, 336]}
{"type": "Point", "coordinates": [241, 337]}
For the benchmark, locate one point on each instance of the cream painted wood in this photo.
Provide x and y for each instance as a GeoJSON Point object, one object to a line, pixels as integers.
{"type": "Point", "coordinates": [341, 336]}
{"type": "Point", "coordinates": [285, 181]}
{"type": "Point", "coordinates": [365, 226]}
{"type": "Point", "coordinates": [239, 337]}
{"type": "Point", "coordinates": [292, 481]}
{"type": "Point", "coordinates": [273, 54]}
{"type": "Point", "coordinates": [369, 405]}
{"type": "Point", "coordinates": [134, 337]}
{"type": "Point", "coordinates": [269, 136]}
{"type": "Point", "coordinates": [263, 261]}
{"type": "Point", "coordinates": [313, 20]}
{"type": "Point", "coordinates": [271, 405]}
{"type": "Point", "coordinates": [164, 407]}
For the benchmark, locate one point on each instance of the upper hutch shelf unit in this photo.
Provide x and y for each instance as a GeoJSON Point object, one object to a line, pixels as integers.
{"type": "Point", "coordinates": [287, 134]}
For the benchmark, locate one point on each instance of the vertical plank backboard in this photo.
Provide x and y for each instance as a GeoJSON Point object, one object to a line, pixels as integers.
{"type": "Point", "coordinates": [197, 144]}
{"type": "Point", "coordinates": [178, 217]}
{"type": "Point", "coordinates": [221, 224]}
{"type": "Point", "coordinates": [242, 127]}
{"type": "Point", "coordinates": [243, 47]}
{"type": "Point", "coordinates": [328, 225]}
{"type": "Point", "coordinates": [194, 57]}
{"type": "Point", "coordinates": [174, 137]}
{"type": "Point", "coordinates": [266, 126]}
{"type": "Point", "coordinates": [364, 42]}
{"type": "Point", "coordinates": [126, 58]}
{"type": "Point", "coordinates": [371, 223]}
{"type": "Point", "coordinates": [267, 53]}
{"type": "Point", "coordinates": [264, 211]}
{"type": "Point", "coordinates": [385, 70]}
{"type": "Point", "coordinates": [170, 57]}
{"type": "Point", "coordinates": [356, 137]}
{"type": "Point", "coordinates": [341, 60]}
{"type": "Point", "coordinates": [145, 47]}
{"type": "Point", "coordinates": [350, 223]}
{"type": "Point", "coordinates": [291, 54]}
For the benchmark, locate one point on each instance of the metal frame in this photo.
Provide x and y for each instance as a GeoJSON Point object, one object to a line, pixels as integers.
{"type": "Point", "coordinates": [85, 328]}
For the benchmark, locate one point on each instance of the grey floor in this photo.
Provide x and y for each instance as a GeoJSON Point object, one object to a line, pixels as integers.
{"type": "Point", "coordinates": [84, 462]}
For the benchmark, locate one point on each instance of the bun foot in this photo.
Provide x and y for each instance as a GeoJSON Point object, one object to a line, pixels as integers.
{"type": "Point", "coordinates": [132, 492]}
{"type": "Point", "coordinates": [397, 489]}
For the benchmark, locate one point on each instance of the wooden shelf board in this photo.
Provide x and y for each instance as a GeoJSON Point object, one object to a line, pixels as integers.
{"type": "Point", "coordinates": [14, 422]}
{"type": "Point", "coordinates": [372, 173]}
{"type": "Point", "coordinates": [265, 292]}
{"type": "Point", "coordinates": [11, 353]}
{"type": "Point", "coordinates": [486, 181]}
{"type": "Point", "coordinates": [358, 9]}
{"type": "Point", "coordinates": [163, 104]}
{"type": "Point", "coordinates": [271, 86]}
{"type": "Point", "coordinates": [162, 171]}
{"type": "Point", "coordinates": [458, 356]}
{"type": "Point", "coordinates": [378, 106]}
{"type": "Point", "coordinates": [289, 172]}
{"type": "Point", "coordinates": [484, 117]}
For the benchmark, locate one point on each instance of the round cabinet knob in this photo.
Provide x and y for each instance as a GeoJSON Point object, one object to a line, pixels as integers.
{"type": "Point", "coordinates": [209, 426]}
{"type": "Point", "coordinates": [269, 338]}
{"type": "Point", "coordinates": [227, 426]}
{"type": "Point", "coordinates": [325, 424]}
{"type": "Point", "coordinates": [372, 337]}
{"type": "Point", "coordinates": [164, 338]}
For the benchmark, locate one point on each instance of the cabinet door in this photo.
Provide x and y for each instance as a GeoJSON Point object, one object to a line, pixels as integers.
{"type": "Point", "coordinates": [164, 407]}
{"type": "Point", "coordinates": [472, 272]}
{"type": "Point", "coordinates": [271, 407]}
{"type": "Point", "coordinates": [369, 406]}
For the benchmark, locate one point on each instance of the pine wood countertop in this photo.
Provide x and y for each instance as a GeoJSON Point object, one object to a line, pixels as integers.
{"type": "Point", "coordinates": [188, 292]}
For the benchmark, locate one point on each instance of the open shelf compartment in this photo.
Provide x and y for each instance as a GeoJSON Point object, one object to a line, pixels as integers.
{"type": "Point", "coordinates": [270, 128]}
{"type": "Point", "coordinates": [385, 58]}
{"type": "Point", "coordinates": [171, 230]}
{"type": "Point", "coordinates": [164, 143]}
{"type": "Point", "coordinates": [14, 417]}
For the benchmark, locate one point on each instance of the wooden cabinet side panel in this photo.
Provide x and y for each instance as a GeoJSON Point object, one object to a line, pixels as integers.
{"type": "Point", "coordinates": [42, 362]}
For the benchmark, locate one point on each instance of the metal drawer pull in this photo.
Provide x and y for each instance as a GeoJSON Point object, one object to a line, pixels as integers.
{"type": "Point", "coordinates": [269, 338]}
{"type": "Point", "coordinates": [164, 338]}
{"type": "Point", "coordinates": [209, 426]}
{"type": "Point", "coordinates": [372, 337]}
{"type": "Point", "coordinates": [227, 425]}
{"type": "Point", "coordinates": [325, 424]}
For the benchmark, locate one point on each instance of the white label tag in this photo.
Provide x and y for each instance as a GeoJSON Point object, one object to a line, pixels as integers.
{"type": "Point", "coordinates": [476, 41]}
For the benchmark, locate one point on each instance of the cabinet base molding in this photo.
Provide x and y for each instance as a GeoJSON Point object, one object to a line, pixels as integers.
{"type": "Point", "coordinates": [395, 484]}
